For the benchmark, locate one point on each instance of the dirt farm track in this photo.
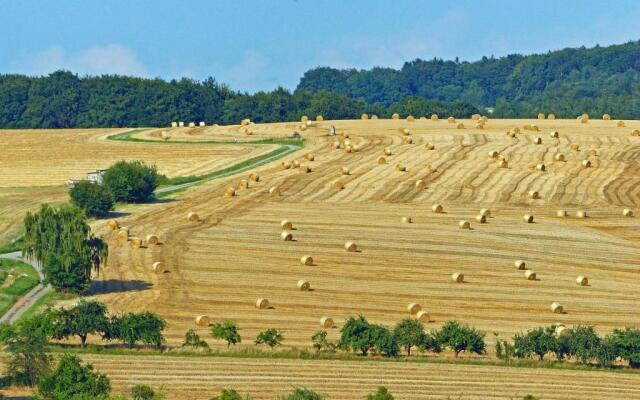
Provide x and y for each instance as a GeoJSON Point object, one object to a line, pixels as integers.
{"type": "Point", "coordinates": [219, 265]}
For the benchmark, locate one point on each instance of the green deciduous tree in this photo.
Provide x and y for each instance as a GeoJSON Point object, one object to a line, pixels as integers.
{"type": "Point", "coordinates": [321, 343]}
{"type": "Point", "coordinates": [72, 380]}
{"type": "Point", "coordinates": [131, 328]}
{"type": "Point", "coordinates": [271, 337]}
{"type": "Point", "coordinates": [583, 342]}
{"type": "Point", "coordinates": [461, 338]}
{"type": "Point", "coordinates": [355, 335]}
{"type": "Point", "coordinates": [627, 344]}
{"type": "Point", "coordinates": [303, 394]}
{"type": "Point", "coordinates": [538, 341]}
{"type": "Point", "coordinates": [94, 199]}
{"type": "Point", "coordinates": [227, 331]}
{"type": "Point", "coordinates": [131, 181]}
{"type": "Point", "coordinates": [381, 394]}
{"type": "Point", "coordinates": [229, 394]}
{"type": "Point", "coordinates": [409, 333]}
{"type": "Point", "coordinates": [192, 339]}
{"type": "Point", "coordinates": [87, 317]}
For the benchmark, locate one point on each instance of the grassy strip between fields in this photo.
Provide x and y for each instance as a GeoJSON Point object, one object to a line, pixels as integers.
{"type": "Point", "coordinates": [48, 299]}
{"type": "Point", "coordinates": [301, 354]}
{"type": "Point", "coordinates": [16, 278]}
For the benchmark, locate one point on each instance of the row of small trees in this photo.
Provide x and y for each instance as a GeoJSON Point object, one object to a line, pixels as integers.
{"type": "Point", "coordinates": [581, 343]}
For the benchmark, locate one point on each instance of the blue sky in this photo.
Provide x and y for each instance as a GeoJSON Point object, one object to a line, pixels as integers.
{"type": "Point", "coordinates": [258, 45]}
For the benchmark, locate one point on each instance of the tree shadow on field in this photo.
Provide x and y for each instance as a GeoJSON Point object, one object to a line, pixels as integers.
{"type": "Point", "coordinates": [160, 200]}
{"type": "Point", "coordinates": [117, 286]}
{"type": "Point", "coordinates": [116, 214]}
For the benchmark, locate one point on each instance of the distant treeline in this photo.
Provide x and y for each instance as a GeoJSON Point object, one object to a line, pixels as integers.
{"type": "Point", "coordinates": [64, 100]}
{"type": "Point", "coordinates": [567, 82]}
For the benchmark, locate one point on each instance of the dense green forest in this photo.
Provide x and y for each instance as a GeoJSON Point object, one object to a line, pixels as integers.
{"type": "Point", "coordinates": [567, 82]}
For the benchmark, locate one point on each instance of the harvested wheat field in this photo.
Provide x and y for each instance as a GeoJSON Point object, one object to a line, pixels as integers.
{"type": "Point", "coordinates": [234, 254]}
{"type": "Point", "coordinates": [204, 377]}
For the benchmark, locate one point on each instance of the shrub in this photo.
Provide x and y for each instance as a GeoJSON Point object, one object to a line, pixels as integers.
{"type": "Point", "coordinates": [142, 392]}
{"type": "Point", "coordinates": [26, 344]}
{"type": "Point", "coordinates": [72, 380]}
{"type": "Point", "coordinates": [192, 339]}
{"type": "Point", "coordinates": [227, 331]}
{"type": "Point", "coordinates": [271, 337]}
{"type": "Point", "coordinates": [94, 199]}
{"type": "Point", "coordinates": [321, 343]}
{"type": "Point", "coordinates": [131, 181]}
{"type": "Point", "coordinates": [381, 394]}
{"type": "Point", "coordinates": [229, 394]}
{"type": "Point", "coordinates": [303, 394]}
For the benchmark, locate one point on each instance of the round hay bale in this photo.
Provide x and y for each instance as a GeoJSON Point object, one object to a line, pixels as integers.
{"type": "Point", "coordinates": [493, 154]}
{"type": "Point", "coordinates": [423, 317]}
{"type": "Point", "coordinates": [430, 146]}
{"type": "Point", "coordinates": [528, 218]}
{"type": "Point", "coordinates": [635, 132]}
{"type": "Point", "coordinates": [345, 171]}
{"type": "Point", "coordinates": [520, 264]}
{"type": "Point", "coordinates": [620, 124]}
{"type": "Point", "coordinates": [437, 208]}
{"type": "Point", "coordinates": [414, 308]}
{"type": "Point", "coordinates": [395, 116]}
{"type": "Point", "coordinates": [475, 117]}
{"type": "Point", "coordinates": [537, 140]}
{"type": "Point", "coordinates": [274, 191]}
{"type": "Point", "coordinates": [574, 147]}
{"type": "Point", "coordinates": [503, 164]}
{"type": "Point", "coordinates": [407, 220]}
{"type": "Point", "coordinates": [541, 167]}
{"type": "Point", "coordinates": [434, 117]}
{"type": "Point", "coordinates": [348, 149]}
{"type": "Point", "coordinates": [364, 117]}
{"type": "Point", "coordinates": [338, 184]}
{"type": "Point", "coordinates": [112, 224]}
{"type": "Point", "coordinates": [336, 145]}
{"type": "Point", "coordinates": [387, 152]}
{"type": "Point", "coordinates": [230, 192]}
{"type": "Point", "coordinates": [534, 128]}
{"type": "Point", "coordinates": [582, 280]}
{"type": "Point", "coordinates": [286, 164]}
{"type": "Point", "coordinates": [326, 322]}
{"type": "Point", "coordinates": [135, 242]}
{"type": "Point", "coordinates": [551, 117]}
{"type": "Point", "coordinates": [561, 331]}
{"type": "Point", "coordinates": [286, 236]}
{"type": "Point", "coordinates": [158, 267]}
{"type": "Point", "coordinates": [305, 169]}
{"type": "Point", "coordinates": [303, 285]}
{"type": "Point", "coordinates": [243, 184]}
{"type": "Point", "coordinates": [464, 224]}
{"type": "Point", "coordinates": [192, 124]}
{"type": "Point", "coordinates": [202, 124]}
{"type": "Point", "coordinates": [481, 218]}
{"type": "Point", "coordinates": [152, 239]}
{"type": "Point", "coordinates": [411, 118]}
{"type": "Point", "coordinates": [530, 275]}
{"type": "Point", "coordinates": [193, 217]}
{"type": "Point", "coordinates": [606, 117]}
{"type": "Point", "coordinates": [511, 134]}
{"type": "Point", "coordinates": [400, 167]}
{"type": "Point", "coordinates": [373, 116]}
{"type": "Point", "coordinates": [451, 120]}
{"type": "Point", "coordinates": [460, 125]}
{"type": "Point", "coordinates": [123, 235]}
{"type": "Point", "coordinates": [382, 160]}
{"type": "Point", "coordinates": [304, 118]}
{"type": "Point", "coordinates": [560, 157]}
{"type": "Point", "coordinates": [262, 303]}
{"type": "Point", "coordinates": [254, 177]}
{"type": "Point", "coordinates": [310, 123]}
{"type": "Point", "coordinates": [310, 157]}
{"type": "Point", "coordinates": [581, 214]}
{"type": "Point", "coordinates": [479, 126]}
{"type": "Point", "coordinates": [584, 118]}
{"type": "Point", "coordinates": [554, 134]}
{"type": "Point", "coordinates": [541, 116]}
{"type": "Point", "coordinates": [420, 184]}
{"type": "Point", "coordinates": [306, 260]}
{"type": "Point", "coordinates": [350, 247]}
{"type": "Point", "coordinates": [627, 212]}
{"type": "Point", "coordinates": [405, 131]}
{"type": "Point", "coordinates": [174, 124]}
{"type": "Point", "coordinates": [534, 195]}
{"type": "Point", "coordinates": [295, 164]}
{"type": "Point", "coordinates": [457, 277]}
{"type": "Point", "coordinates": [586, 163]}
{"type": "Point", "coordinates": [561, 213]}
{"type": "Point", "coordinates": [303, 127]}
{"type": "Point", "coordinates": [286, 225]}
{"type": "Point", "coordinates": [408, 140]}
{"type": "Point", "coordinates": [181, 124]}
{"type": "Point", "coordinates": [556, 308]}
{"type": "Point", "coordinates": [245, 121]}
{"type": "Point", "coordinates": [486, 212]}
{"type": "Point", "coordinates": [319, 118]}
{"type": "Point", "coordinates": [202, 320]}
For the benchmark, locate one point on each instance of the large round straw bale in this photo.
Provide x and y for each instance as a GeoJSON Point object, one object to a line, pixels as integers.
{"type": "Point", "coordinates": [479, 126]}
{"type": "Point", "coordinates": [620, 124]}
{"type": "Point", "coordinates": [534, 195]}
{"type": "Point", "coordinates": [306, 260]}
{"type": "Point", "coordinates": [336, 145]}
{"type": "Point", "coordinates": [457, 277]}
{"type": "Point", "coordinates": [364, 116]}
{"type": "Point", "coordinates": [561, 331]}
{"type": "Point", "coordinates": [582, 280]}
{"type": "Point", "coordinates": [192, 124]}
{"type": "Point", "coordinates": [541, 116]}
{"type": "Point", "coordinates": [374, 116]}
{"type": "Point", "coordinates": [559, 157]}
{"type": "Point", "coordinates": [408, 140]}
{"type": "Point", "coordinates": [430, 146]}
{"type": "Point", "coordinates": [493, 154]}
{"type": "Point", "coordinates": [584, 118]}
{"type": "Point", "coordinates": [174, 124]}
{"type": "Point", "coordinates": [152, 239]}
{"type": "Point", "coordinates": [520, 264]}
{"type": "Point", "coordinates": [423, 317]}
{"type": "Point", "coordinates": [295, 164]}
{"type": "Point", "coordinates": [310, 156]}
{"type": "Point", "coordinates": [135, 242]}
{"type": "Point", "coordinates": [551, 117]}
{"type": "Point", "coordinates": [303, 127]}
{"type": "Point", "coordinates": [387, 152]}
{"type": "Point", "coordinates": [464, 224]}
{"type": "Point", "coordinates": [181, 124]}
{"type": "Point", "coordinates": [451, 120]}
{"type": "Point", "coordinates": [627, 212]}
{"type": "Point", "coordinates": [123, 234]}
{"type": "Point", "coordinates": [635, 132]}
{"type": "Point", "coordinates": [481, 218]}
{"type": "Point", "coordinates": [262, 303]}
{"type": "Point", "coordinates": [586, 163]}
{"type": "Point", "coordinates": [112, 224]}
{"type": "Point", "coordinates": [574, 147]}
{"type": "Point", "coordinates": [303, 285]}
{"type": "Point", "coordinates": [319, 118]}
{"type": "Point", "coordinates": [537, 140]}
{"type": "Point", "coordinates": [581, 214]}
{"type": "Point", "coordinates": [243, 184]}
{"type": "Point", "coordinates": [304, 118]}
{"type": "Point", "coordinates": [530, 275]}
{"type": "Point", "coordinates": [405, 131]}
{"type": "Point", "coordinates": [401, 167]}
{"type": "Point", "coordinates": [286, 225]}
{"type": "Point", "coordinates": [486, 212]}
{"type": "Point", "coordinates": [274, 191]}
{"type": "Point", "coordinates": [350, 247]}
{"type": "Point", "coordinates": [286, 236]}
{"type": "Point", "coordinates": [437, 208]}
{"type": "Point", "coordinates": [326, 322]}
{"type": "Point", "coordinates": [202, 124]}
{"type": "Point", "coordinates": [407, 220]}
{"type": "Point", "coordinates": [528, 218]}
{"type": "Point", "coordinates": [382, 160]}
{"type": "Point", "coordinates": [158, 267]}
{"type": "Point", "coordinates": [475, 117]}
{"type": "Point", "coordinates": [413, 308]}
{"type": "Point", "coordinates": [192, 217]}
{"type": "Point", "coordinates": [348, 148]}
{"type": "Point", "coordinates": [337, 184]}
{"type": "Point", "coordinates": [254, 177]}
{"type": "Point", "coordinates": [561, 213]}
{"type": "Point", "coordinates": [230, 192]}
{"type": "Point", "coordinates": [535, 128]}
{"type": "Point", "coordinates": [411, 118]}
{"type": "Point", "coordinates": [345, 171]}
{"type": "Point", "coordinates": [286, 164]}
{"type": "Point", "coordinates": [305, 169]}
{"type": "Point", "coordinates": [202, 320]}
{"type": "Point", "coordinates": [460, 125]}
{"type": "Point", "coordinates": [554, 134]}
{"type": "Point", "coordinates": [434, 117]}
{"type": "Point", "coordinates": [395, 116]}
{"type": "Point", "coordinates": [420, 184]}
{"type": "Point", "coordinates": [606, 117]}
{"type": "Point", "coordinates": [503, 164]}
{"type": "Point", "coordinates": [245, 121]}
{"type": "Point", "coordinates": [541, 167]}
{"type": "Point", "coordinates": [556, 307]}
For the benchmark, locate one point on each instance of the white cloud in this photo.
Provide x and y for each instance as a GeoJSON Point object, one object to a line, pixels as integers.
{"type": "Point", "coordinates": [97, 60]}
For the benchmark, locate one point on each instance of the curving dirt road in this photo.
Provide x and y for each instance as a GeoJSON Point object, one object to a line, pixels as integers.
{"type": "Point", "coordinates": [28, 300]}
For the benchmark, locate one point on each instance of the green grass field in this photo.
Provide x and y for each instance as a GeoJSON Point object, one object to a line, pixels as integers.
{"type": "Point", "coordinates": [25, 277]}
